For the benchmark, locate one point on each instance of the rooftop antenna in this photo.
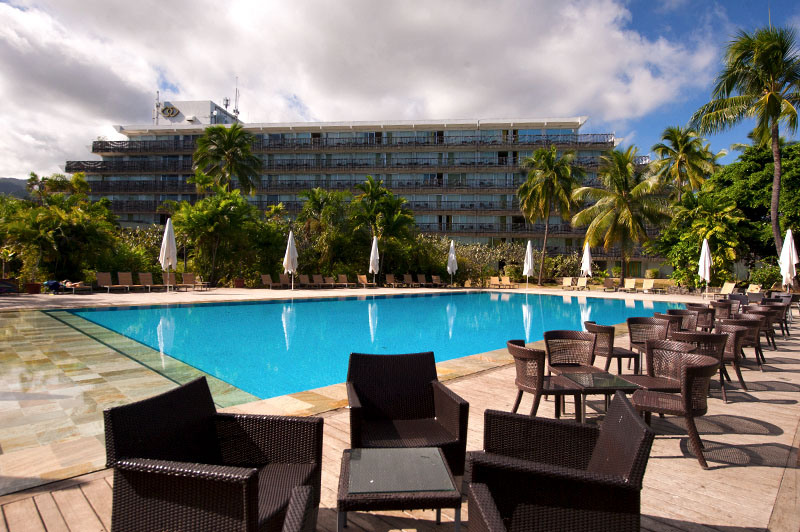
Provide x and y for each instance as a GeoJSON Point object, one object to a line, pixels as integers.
{"type": "Point", "coordinates": [236, 100]}
{"type": "Point", "coordinates": [157, 110]}
{"type": "Point", "coordinates": [226, 102]}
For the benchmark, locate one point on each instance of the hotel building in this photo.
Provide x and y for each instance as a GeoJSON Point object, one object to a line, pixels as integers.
{"type": "Point", "coordinates": [460, 177]}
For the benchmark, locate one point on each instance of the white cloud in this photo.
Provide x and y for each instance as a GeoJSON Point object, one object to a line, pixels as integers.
{"type": "Point", "coordinates": [74, 67]}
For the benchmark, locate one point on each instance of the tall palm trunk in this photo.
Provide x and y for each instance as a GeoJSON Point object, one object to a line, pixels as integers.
{"type": "Point", "coordinates": [776, 188]}
{"type": "Point", "coordinates": [544, 246]}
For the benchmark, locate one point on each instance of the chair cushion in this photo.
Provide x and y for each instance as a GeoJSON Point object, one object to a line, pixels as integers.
{"type": "Point", "coordinates": [426, 432]}
{"type": "Point", "coordinates": [275, 485]}
{"type": "Point", "coordinates": [662, 403]}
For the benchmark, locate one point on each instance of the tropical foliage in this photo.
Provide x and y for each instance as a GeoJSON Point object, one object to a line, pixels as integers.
{"type": "Point", "coordinates": [683, 161]}
{"type": "Point", "coordinates": [760, 80]}
{"type": "Point", "coordinates": [225, 154]}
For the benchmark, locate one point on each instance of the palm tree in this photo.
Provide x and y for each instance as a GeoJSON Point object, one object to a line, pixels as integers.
{"type": "Point", "coordinates": [761, 80]}
{"type": "Point", "coordinates": [623, 207]}
{"type": "Point", "coordinates": [369, 203]}
{"type": "Point", "coordinates": [225, 154]}
{"type": "Point", "coordinates": [682, 159]}
{"type": "Point", "coordinates": [548, 188]}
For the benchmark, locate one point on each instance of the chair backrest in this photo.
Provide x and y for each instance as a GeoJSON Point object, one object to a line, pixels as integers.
{"type": "Point", "coordinates": [362, 279]}
{"type": "Point", "coordinates": [752, 288]}
{"type": "Point", "coordinates": [436, 279]}
{"type": "Point", "coordinates": [393, 386]}
{"type": "Point", "coordinates": [566, 281]}
{"type": "Point", "coordinates": [642, 329]}
{"type": "Point", "coordinates": [630, 283]}
{"type": "Point", "coordinates": [125, 278]}
{"type": "Point", "coordinates": [529, 364]}
{"type": "Point", "coordinates": [727, 288]}
{"type": "Point", "coordinates": [188, 278]}
{"type": "Point", "coordinates": [318, 278]}
{"type": "Point", "coordinates": [103, 279]}
{"type": "Point", "coordinates": [304, 279]}
{"type": "Point", "coordinates": [675, 322]}
{"type": "Point", "coordinates": [407, 279]}
{"type": "Point", "coordinates": [623, 445]}
{"type": "Point", "coordinates": [342, 278]}
{"type": "Point", "coordinates": [330, 280]}
{"type": "Point", "coordinates": [494, 280]}
{"type": "Point", "coordinates": [753, 326]}
{"type": "Point", "coordinates": [608, 282]}
{"type": "Point", "coordinates": [604, 344]}
{"type": "Point", "coordinates": [695, 380]}
{"type": "Point", "coordinates": [735, 335]}
{"type": "Point", "coordinates": [146, 278]}
{"type": "Point", "coordinates": [705, 315]}
{"type": "Point", "coordinates": [755, 297]}
{"type": "Point", "coordinates": [706, 343]}
{"type": "Point", "coordinates": [648, 284]}
{"type": "Point", "coordinates": [421, 279]}
{"type": "Point", "coordinates": [689, 318]}
{"type": "Point", "coordinates": [171, 278]}
{"type": "Point", "coordinates": [266, 279]}
{"type": "Point", "coordinates": [175, 425]}
{"type": "Point", "coordinates": [284, 277]}
{"type": "Point", "coordinates": [570, 347]}
{"type": "Point", "coordinates": [390, 278]}
{"type": "Point", "coordinates": [722, 309]}
{"type": "Point", "coordinates": [583, 282]}
{"type": "Point", "coordinates": [665, 358]}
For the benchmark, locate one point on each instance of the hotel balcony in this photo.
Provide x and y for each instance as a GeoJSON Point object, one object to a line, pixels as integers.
{"type": "Point", "coordinates": [466, 142]}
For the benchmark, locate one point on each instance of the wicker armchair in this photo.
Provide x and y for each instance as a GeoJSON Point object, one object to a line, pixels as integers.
{"type": "Point", "coordinates": [722, 309]}
{"type": "Point", "coordinates": [397, 401]}
{"type": "Point", "coordinates": [642, 329]}
{"type": "Point", "coordinates": [180, 465]}
{"type": "Point", "coordinates": [664, 359]}
{"type": "Point", "coordinates": [545, 474]}
{"type": "Point", "coordinates": [732, 354]}
{"type": "Point", "coordinates": [570, 351]}
{"type": "Point", "coordinates": [689, 318]}
{"type": "Point", "coordinates": [753, 336]}
{"type": "Point", "coordinates": [674, 323]}
{"type": "Point", "coordinates": [604, 346]}
{"type": "Point", "coordinates": [696, 373]}
{"type": "Point", "coordinates": [530, 365]}
{"type": "Point", "coordinates": [709, 344]}
{"type": "Point", "coordinates": [705, 315]}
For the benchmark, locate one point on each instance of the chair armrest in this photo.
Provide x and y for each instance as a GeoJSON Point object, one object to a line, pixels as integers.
{"type": "Point", "coordinates": [483, 513]}
{"type": "Point", "coordinates": [165, 495]}
{"type": "Point", "coordinates": [300, 514]}
{"type": "Point", "coordinates": [252, 440]}
{"type": "Point", "coordinates": [537, 439]}
{"type": "Point", "coordinates": [355, 415]}
{"type": "Point", "coordinates": [451, 411]}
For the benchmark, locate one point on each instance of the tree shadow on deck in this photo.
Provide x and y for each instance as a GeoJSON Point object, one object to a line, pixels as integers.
{"type": "Point", "coordinates": [421, 520]}
{"type": "Point", "coordinates": [716, 424]}
{"type": "Point", "coordinates": [664, 524]}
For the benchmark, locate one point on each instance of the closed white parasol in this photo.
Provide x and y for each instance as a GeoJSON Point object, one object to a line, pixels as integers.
{"type": "Point", "coordinates": [290, 258]}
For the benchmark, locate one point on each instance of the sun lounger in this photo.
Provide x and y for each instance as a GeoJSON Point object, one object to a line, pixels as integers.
{"type": "Point", "coordinates": [193, 282]}
{"type": "Point", "coordinates": [494, 282]}
{"type": "Point", "coordinates": [437, 281]}
{"type": "Point", "coordinates": [362, 280]}
{"type": "Point", "coordinates": [343, 282]}
{"type": "Point", "coordinates": [566, 282]}
{"type": "Point", "coordinates": [331, 281]}
{"type": "Point", "coordinates": [104, 281]}
{"type": "Point", "coordinates": [286, 281]}
{"type": "Point", "coordinates": [422, 280]}
{"type": "Point", "coordinates": [305, 282]}
{"type": "Point", "coordinates": [319, 281]}
{"type": "Point", "coordinates": [126, 278]}
{"type": "Point", "coordinates": [610, 285]}
{"type": "Point", "coordinates": [630, 285]}
{"type": "Point", "coordinates": [753, 289]}
{"type": "Point", "coordinates": [172, 281]}
{"type": "Point", "coordinates": [506, 282]}
{"type": "Point", "coordinates": [146, 279]}
{"type": "Point", "coordinates": [583, 283]}
{"type": "Point", "coordinates": [728, 288]}
{"type": "Point", "coordinates": [266, 280]}
{"type": "Point", "coordinates": [392, 282]}
{"type": "Point", "coordinates": [409, 281]}
{"type": "Point", "coordinates": [648, 287]}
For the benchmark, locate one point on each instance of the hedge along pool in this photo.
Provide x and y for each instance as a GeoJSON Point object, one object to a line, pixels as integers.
{"type": "Point", "coordinates": [278, 347]}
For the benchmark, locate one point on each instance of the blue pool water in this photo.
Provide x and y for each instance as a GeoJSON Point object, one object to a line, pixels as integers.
{"type": "Point", "coordinates": [280, 347]}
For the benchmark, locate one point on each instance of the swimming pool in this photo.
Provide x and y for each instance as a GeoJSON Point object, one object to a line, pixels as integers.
{"type": "Point", "coordinates": [271, 348]}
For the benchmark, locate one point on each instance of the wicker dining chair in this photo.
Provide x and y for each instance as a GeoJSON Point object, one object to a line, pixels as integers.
{"type": "Point", "coordinates": [722, 309]}
{"type": "Point", "coordinates": [689, 318]}
{"type": "Point", "coordinates": [753, 336]}
{"type": "Point", "coordinates": [664, 359]}
{"type": "Point", "coordinates": [775, 317]}
{"type": "Point", "coordinates": [605, 347]}
{"type": "Point", "coordinates": [545, 474]}
{"type": "Point", "coordinates": [570, 351]}
{"type": "Point", "coordinates": [398, 401]}
{"type": "Point", "coordinates": [705, 315]}
{"type": "Point", "coordinates": [674, 323]}
{"type": "Point", "coordinates": [696, 373]}
{"type": "Point", "coordinates": [732, 354]}
{"type": "Point", "coordinates": [784, 304]}
{"type": "Point", "coordinates": [530, 366]}
{"type": "Point", "coordinates": [181, 465]}
{"type": "Point", "coordinates": [709, 344]}
{"type": "Point", "coordinates": [642, 329]}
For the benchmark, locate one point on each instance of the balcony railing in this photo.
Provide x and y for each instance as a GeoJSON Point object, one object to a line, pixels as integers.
{"type": "Point", "coordinates": [263, 145]}
{"type": "Point", "coordinates": [130, 166]}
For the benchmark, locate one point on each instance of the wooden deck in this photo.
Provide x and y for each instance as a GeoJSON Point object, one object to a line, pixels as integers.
{"type": "Point", "coordinates": [751, 444]}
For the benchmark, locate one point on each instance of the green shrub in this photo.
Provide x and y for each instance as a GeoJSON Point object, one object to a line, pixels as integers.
{"type": "Point", "coordinates": [616, 271]}
{"type": "Point", "coordinates": [652, 273]}
{"type": "Point", "coordinates": [766, 275]}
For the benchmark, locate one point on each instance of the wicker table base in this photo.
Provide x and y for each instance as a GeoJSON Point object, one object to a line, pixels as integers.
{"type": "Point", "coordinates": [394, 500]}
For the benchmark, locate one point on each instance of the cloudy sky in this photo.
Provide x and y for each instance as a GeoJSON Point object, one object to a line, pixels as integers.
{"type": "Point", "coordinates": [73, 68]}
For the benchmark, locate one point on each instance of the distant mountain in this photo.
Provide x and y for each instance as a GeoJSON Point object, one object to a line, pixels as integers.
{"type": "Point", "coordinates": [13, 187]}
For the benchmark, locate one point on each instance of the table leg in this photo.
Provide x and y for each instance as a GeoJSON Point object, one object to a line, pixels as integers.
{"type": "Point", "coordinates": [342, 521]}
{"type": "Point", "coordinates": [458, 519]}
{"type": "Point", "coordinates": [583, 408]}
{"type": "Point", "coordinates": [438, 516]}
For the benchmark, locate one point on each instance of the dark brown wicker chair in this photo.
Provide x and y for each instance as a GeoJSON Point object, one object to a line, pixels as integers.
{"type": "Point", "coordinates": [570, 351]}
{"type": "Point", "coordinates": [664, 359]}
{"type": "Point", "coordinates": [696, 373]}
{"type": "Point", "coordinates": [530, 364]}
{"type": "Point", "coordinates": [180, 465]}
{"type": "Point", "coordinates": [642, 329]}
{"type": "Point", "coordinates": [753, 336]}
{"type": "Point", "coordinates": [604, 346]}
{"type": "Point", "coordinates": [784, 304]}
{"type": "Point", "coordinates": [545, 474]}
{"type": "Point", "coordinates": [674, 323]}
{"type": "Point", "coordinates": [709, 344]}
{"type": "Point", "coordinates": [398, 401]}
{"type": "Point", "coordinates": [689, 318]}
{"type": "Point", "coordinates": [722, 309]}
{"type": "Point", "coordinates": [733, 349]}
{"type": "Point", "coordinates": [774, 317]}
{"type": "Point", "coordinates": [705, 315]}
